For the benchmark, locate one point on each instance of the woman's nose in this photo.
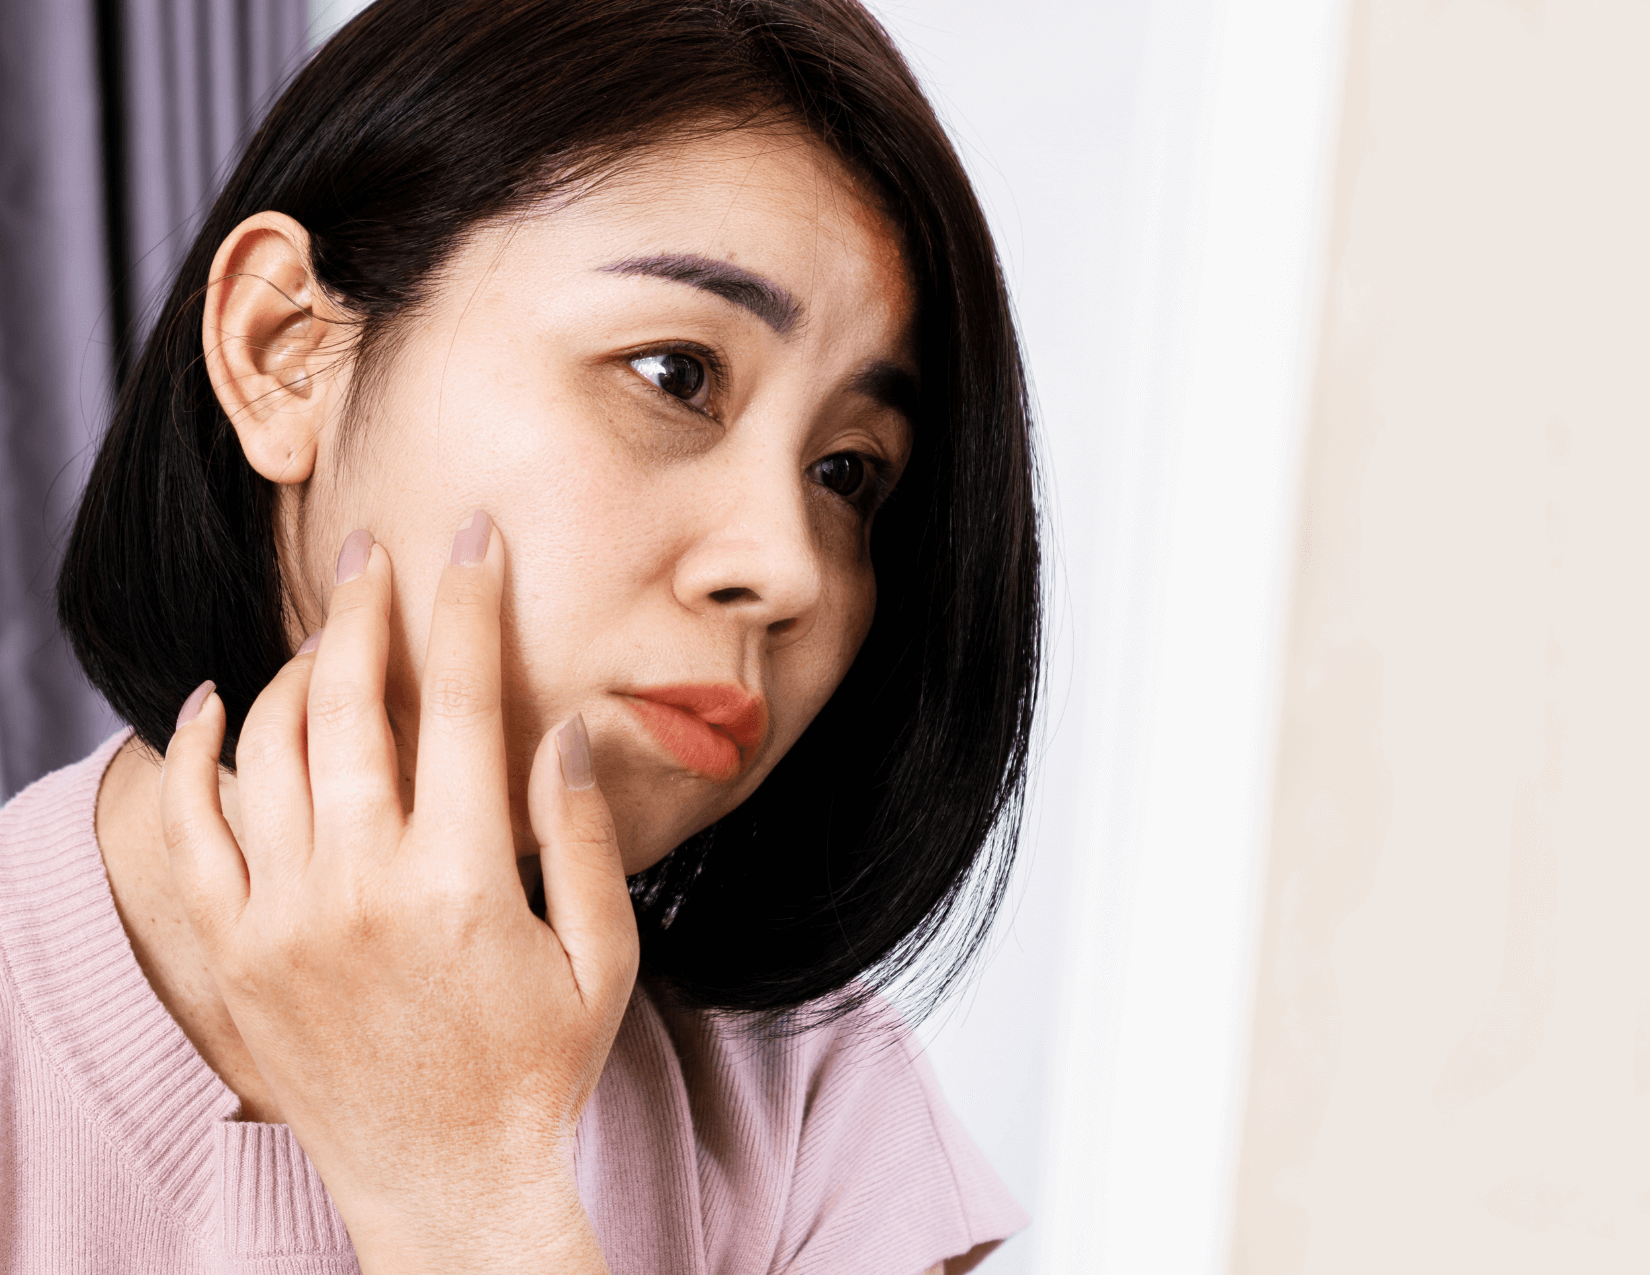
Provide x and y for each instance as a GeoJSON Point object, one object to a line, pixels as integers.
{"type": "Point", "coordinates": [757, 559]}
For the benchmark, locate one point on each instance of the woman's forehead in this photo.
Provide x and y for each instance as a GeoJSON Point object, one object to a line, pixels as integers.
{"type": "Point", "coordinates": [777, 209]}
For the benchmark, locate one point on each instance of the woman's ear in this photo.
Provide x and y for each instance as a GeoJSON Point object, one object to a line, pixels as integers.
{"type": "Point", "coordinates": [272, 347]}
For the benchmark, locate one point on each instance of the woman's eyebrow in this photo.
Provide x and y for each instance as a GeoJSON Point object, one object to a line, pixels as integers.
{"type": "Point", "coordinates": [762, 297]}
{"type": "Point", "coordinates": [889, 384]}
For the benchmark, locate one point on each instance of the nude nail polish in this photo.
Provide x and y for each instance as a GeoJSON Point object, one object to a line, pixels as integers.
{"type": "Point", "coordinates": [573, 743]}
{"type": "Point", "coordinates": [311, 643]}
{"type": "Point", "coordinates": [470, 544]}
{"type": "Point", "coordinates": [352, 558]}
{"type": "Point", "coordinates": [192, 706]}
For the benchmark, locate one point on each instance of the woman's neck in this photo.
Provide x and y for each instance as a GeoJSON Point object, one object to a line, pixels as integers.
{"type": "Point", "coordinates": [140, 878]}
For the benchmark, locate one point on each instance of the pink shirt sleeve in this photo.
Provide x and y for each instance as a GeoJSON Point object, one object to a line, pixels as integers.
{"type": "Point", "coordinates": [886, 1178]}
{"type": "Point", "coordinates": [828, 1151]}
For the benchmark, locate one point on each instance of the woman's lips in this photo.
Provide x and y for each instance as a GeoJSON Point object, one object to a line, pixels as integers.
{"type": "Point", "coordinates": [710, 729]}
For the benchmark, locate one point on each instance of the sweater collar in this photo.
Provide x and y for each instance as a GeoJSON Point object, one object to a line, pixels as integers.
{"type": "Point", "coordinates": [81, 990]}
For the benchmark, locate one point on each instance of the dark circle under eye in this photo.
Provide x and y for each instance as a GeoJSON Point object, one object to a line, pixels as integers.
{"type": "Point", "coordinates": [843, 473]}
{"type": "Point", "coordinates": [679, 375]}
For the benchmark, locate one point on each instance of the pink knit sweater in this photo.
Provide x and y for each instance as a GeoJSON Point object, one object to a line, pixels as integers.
{"type": "Point", "coordinates": [702, 1150]}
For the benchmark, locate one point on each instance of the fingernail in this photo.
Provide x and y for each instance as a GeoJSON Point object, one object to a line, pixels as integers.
{"type": "Point", "coordinates": [573, 743]}
{"type": "Point", "coordinates": [192, 706]}
{"type": "Point", "coordinates": [352, 558]}
{"type": "Point", "coordinates": [470, 544]}
{"type": "Point", "coordinates": [310, 643]}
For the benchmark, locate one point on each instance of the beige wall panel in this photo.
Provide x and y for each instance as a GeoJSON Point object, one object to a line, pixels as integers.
{"type": "Point", "coordinates": [1451, 1066]}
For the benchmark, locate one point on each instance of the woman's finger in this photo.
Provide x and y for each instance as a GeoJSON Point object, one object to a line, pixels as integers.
{"type": "Point", "coordinates": [462, 792]}
{"type": "Point", "coordinates": [352, 759]}
{"type": "Point", "coordinates": [272, 777]}
{"type": "Point", "coordinates": [586, 901]}
{"type": "Point", "coordinates": [206, 861]}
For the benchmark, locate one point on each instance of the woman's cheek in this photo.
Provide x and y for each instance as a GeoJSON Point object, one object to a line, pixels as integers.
{"type": "Point", "coordinates": [822, 661]}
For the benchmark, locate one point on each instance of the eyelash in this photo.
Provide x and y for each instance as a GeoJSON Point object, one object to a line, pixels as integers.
{"type": "Point", "coordinates": [877, 487]}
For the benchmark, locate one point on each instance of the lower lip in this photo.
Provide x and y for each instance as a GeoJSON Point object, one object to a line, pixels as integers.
{"type": "Point", "coordinates": [690, 739]}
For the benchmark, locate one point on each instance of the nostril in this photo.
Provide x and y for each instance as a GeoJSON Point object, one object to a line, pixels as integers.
{"type": "Point", "coordinates": [782, 626]}
{"type": "Point", "coordinates": [734, 595]}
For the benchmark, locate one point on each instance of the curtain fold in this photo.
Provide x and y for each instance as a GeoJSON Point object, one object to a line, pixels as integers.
{"type": "Point", "coordinates": [118, 121]}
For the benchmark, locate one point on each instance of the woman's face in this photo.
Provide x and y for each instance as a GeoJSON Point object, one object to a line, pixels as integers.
{"type": "Point", "coordinates": [680, 399]}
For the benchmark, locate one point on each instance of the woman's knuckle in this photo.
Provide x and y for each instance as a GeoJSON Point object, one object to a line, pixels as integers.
{"type": "Point", "coordinates": [256, 748]}
{"type": "Point", "coordinates": [334, 709]}
{"type": "Point", "coordinates": [458, 896]}
{"type": "Point", "coordinates": [465, 590]}
{"type": "Point", "coordinates": [593, 829]}
{"type": "Point", "coordinates": [180, 826]}
{"type": "Point", "coordinates": [351, 598]}
{"type": "Point", "coordinates": [350, 818]}
{"type": "Point", "coordinates": [354, 914]}
{"type": "Point", "coordinates": [455, 694]}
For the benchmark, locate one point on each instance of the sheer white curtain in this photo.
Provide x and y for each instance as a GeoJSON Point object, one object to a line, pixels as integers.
{"type": "Point", "coordinates": [1155, 173]}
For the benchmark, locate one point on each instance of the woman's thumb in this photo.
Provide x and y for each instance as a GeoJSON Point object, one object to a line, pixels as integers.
{"type": "Point", "coordinates": [586, 901]}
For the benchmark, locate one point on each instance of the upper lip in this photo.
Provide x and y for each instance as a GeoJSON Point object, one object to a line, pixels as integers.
{"type": "Point", "coordinates": [731, 709]}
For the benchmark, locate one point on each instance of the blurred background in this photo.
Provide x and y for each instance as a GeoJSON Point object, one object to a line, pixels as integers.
{"type": "Point", "coordinates": [1325, 952]}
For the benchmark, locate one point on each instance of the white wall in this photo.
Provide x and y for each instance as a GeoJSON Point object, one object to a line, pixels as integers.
{"type": "Point", "coordinates": [1452, 1046]}
{"type": "Point", "coordinates": [326, 16]}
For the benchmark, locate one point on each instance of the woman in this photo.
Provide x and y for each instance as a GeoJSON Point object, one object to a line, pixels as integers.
{"type": "Point", "coordinates": [521, 869]}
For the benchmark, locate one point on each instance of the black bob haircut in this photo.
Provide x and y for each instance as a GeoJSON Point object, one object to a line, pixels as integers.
{"type": "Point", "coordinates": [879, 848]}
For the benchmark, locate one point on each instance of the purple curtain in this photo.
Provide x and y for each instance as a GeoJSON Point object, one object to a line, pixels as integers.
{"type": "Point", "coordinates": [118, 120]}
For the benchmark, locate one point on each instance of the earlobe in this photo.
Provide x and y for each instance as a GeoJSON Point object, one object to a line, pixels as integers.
{"type": "Point", "coordinates": [271, 349]}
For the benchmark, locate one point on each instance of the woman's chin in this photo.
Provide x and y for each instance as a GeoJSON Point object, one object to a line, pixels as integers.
{"type": "Point", "coordinates": [648, 831]}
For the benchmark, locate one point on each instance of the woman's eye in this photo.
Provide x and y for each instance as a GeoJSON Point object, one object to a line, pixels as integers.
{"type": "Point", "coordinates": [679, 375]}
{"type": "Point", "coordinates": [843, 473]}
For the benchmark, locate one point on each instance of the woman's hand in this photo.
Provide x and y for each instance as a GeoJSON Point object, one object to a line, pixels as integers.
{"type": "Point", "coordinates": [430, 1041]}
